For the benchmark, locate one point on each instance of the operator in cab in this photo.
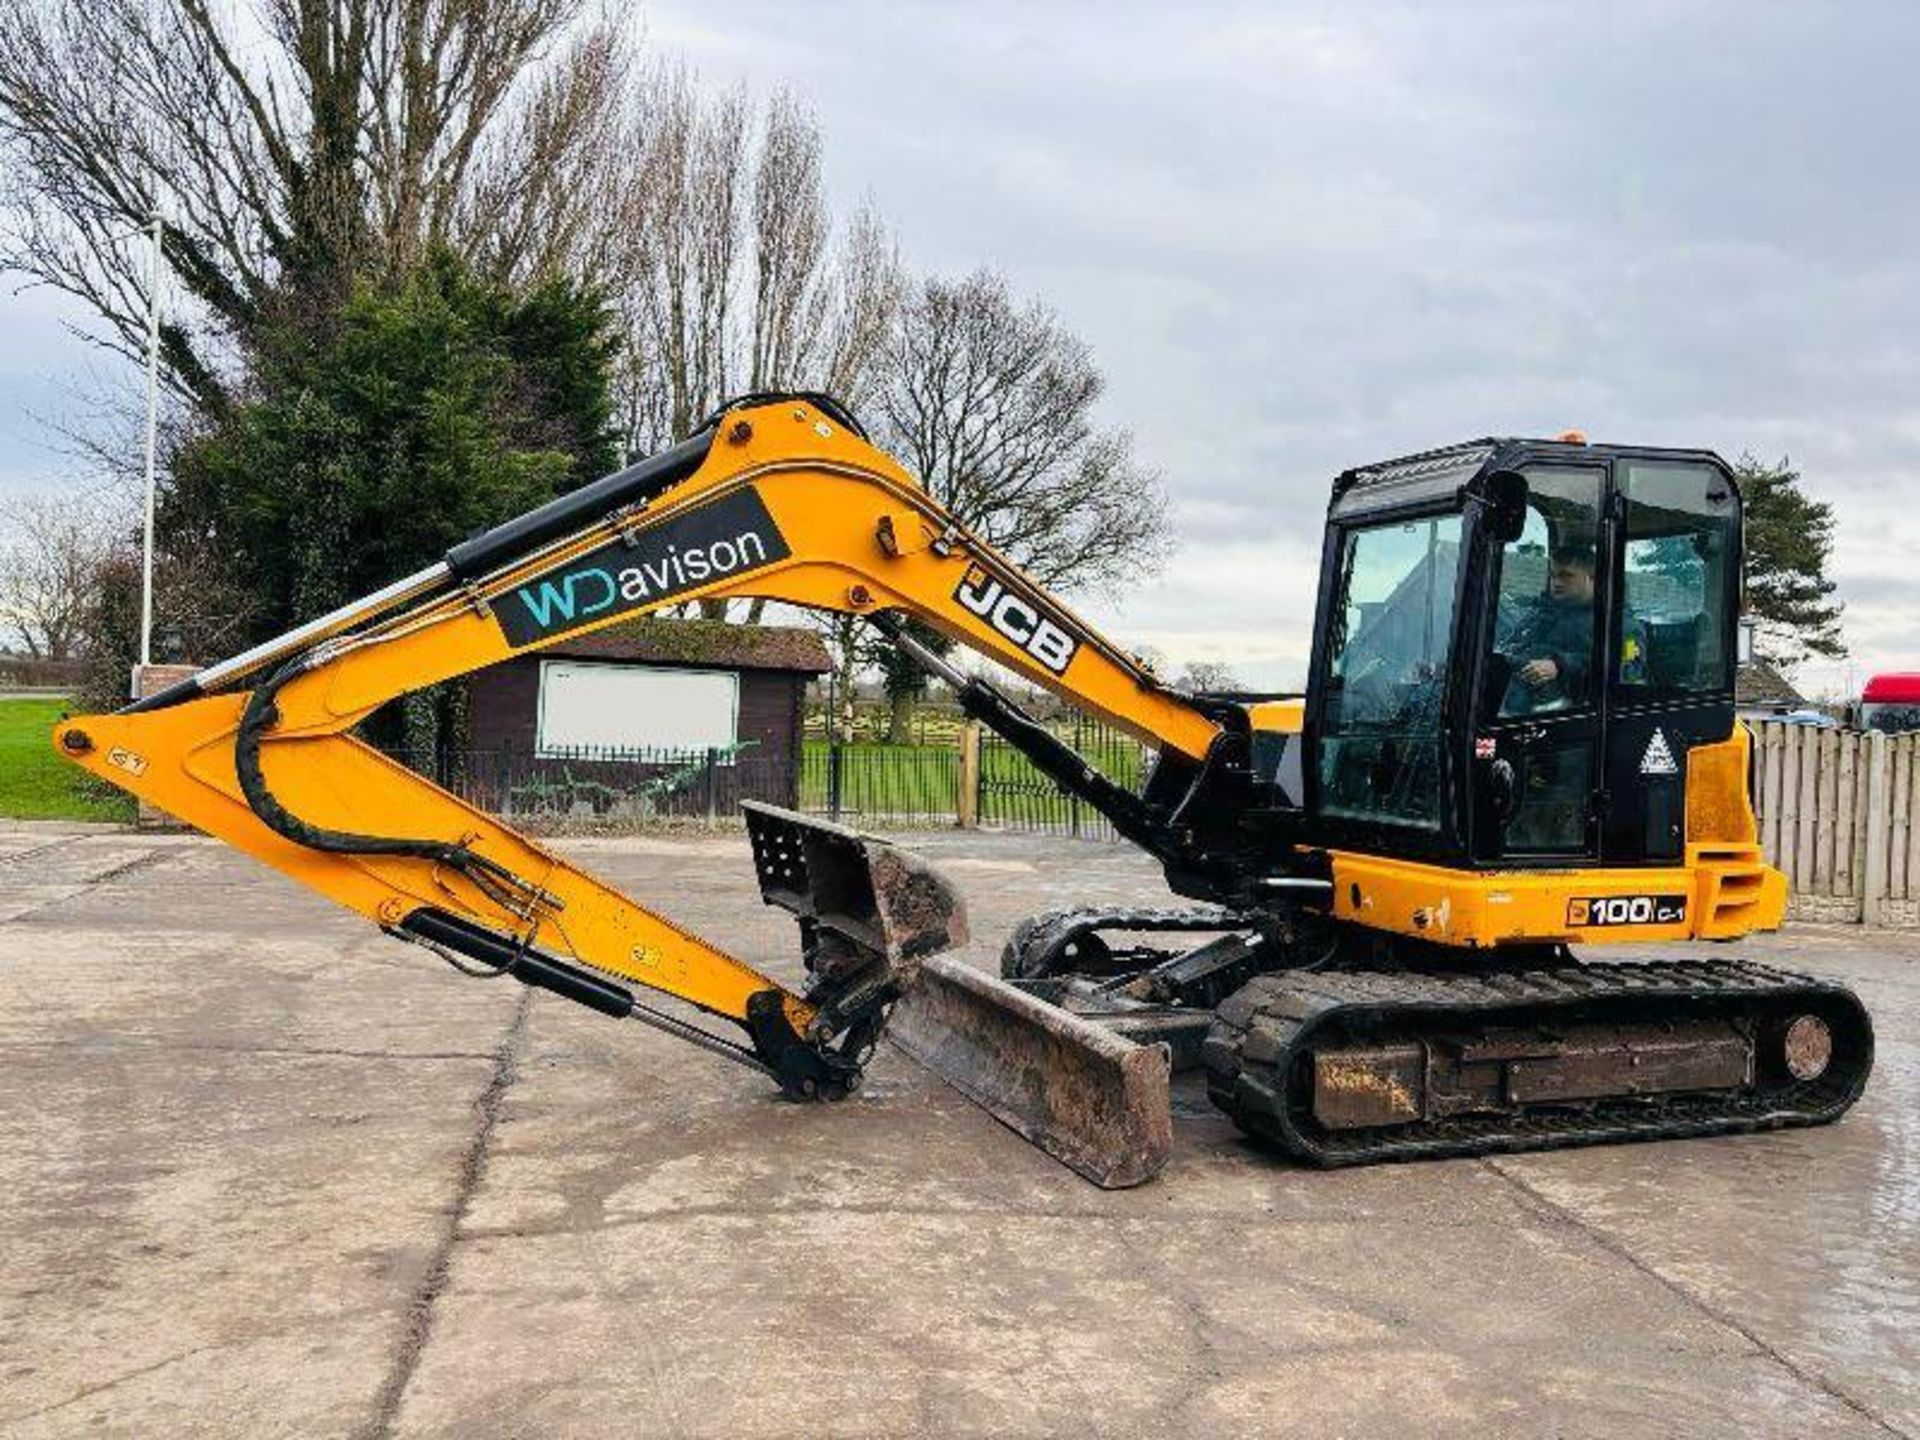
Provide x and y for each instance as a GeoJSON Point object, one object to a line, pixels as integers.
{"type": "Point", "coordinates": [1552, 642]}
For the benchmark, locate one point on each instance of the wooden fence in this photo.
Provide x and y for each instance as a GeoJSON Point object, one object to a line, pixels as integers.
{"type": "Point", "coordinates": [1840, 814]}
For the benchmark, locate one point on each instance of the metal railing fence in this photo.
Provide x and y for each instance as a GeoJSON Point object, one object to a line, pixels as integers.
{"type": "Point", "coordinates": [608, 784]}
{"type": "Point", "coordinates": [1015, 796]}
{"type": "Point", "coordinates": [970, 779]}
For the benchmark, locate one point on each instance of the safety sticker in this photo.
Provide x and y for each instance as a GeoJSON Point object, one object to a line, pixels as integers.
{"type": "Point", "coordinates": [1659, 757]}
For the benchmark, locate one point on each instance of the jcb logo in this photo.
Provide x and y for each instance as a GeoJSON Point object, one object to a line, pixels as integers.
{"type": "Point", "coordinates": [1014, 618]}
{"type": "Point", "coordinates": [1627, 910]}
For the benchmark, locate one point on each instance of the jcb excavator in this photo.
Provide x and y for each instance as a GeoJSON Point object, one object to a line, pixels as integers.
{"type": "Point", "coordinates": [1518, 736]}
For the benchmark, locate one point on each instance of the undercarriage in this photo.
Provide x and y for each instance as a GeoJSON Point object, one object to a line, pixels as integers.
{"type": "Point", "coordinates": [1339, 1051]}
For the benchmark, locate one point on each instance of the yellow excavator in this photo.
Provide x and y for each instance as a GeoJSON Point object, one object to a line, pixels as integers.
{"type": "Point", "coordinates": [1518, 736]}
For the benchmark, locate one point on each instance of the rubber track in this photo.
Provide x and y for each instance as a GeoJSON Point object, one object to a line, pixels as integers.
{"type": "Point", "coordinates": [1038, 939]}
{"type": "Point", "coordinates": [1264, 1028]}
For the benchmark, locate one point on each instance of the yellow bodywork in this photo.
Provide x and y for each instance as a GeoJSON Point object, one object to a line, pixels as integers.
{"type": "Point", "coordinates": [861, 537]}
{"type": "Point", "coordinates": [1728, 887]}
{"type": "Point", "coordinates": [1280, 717]}
{"type": "Point", "coordinates": [1729, 892]}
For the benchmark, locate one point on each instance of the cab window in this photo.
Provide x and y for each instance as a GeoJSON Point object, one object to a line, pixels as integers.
{"type": "Point", "coordinates": [1387, 670]}
{"type": "Point", "coordinates": [1544, 617]}
{"type": "Point", "coordinates": [1677, 581]}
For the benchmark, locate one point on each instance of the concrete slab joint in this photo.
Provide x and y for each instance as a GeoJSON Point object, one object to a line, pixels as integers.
{"type": "Point", "coordinates": [269, 1172]}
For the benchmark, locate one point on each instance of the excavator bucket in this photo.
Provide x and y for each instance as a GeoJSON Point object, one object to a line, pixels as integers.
{"type": "Point", "coordinates": [864, 900]}
{"type": "Point", "coordinates": [1092, 1099]}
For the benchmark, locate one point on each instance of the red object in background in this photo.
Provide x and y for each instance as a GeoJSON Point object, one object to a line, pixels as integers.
{"type": "Point", "coordinates": [1892, 690]}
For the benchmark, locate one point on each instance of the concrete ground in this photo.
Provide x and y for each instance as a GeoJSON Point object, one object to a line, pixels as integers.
{"type": "Point", "coordinates": [265, 1172]}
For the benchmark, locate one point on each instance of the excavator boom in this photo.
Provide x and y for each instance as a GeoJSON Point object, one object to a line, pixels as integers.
{"type": "Point", "coordinates": [781, 498]}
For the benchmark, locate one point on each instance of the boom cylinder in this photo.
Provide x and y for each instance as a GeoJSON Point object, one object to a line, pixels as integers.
{"type": "Point", "coordinates": [522, 962]}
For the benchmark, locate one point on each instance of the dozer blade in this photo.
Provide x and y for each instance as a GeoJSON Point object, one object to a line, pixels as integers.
{"type": "Point", "coordinates": [1092, 1099]}
{"type": "Point", "coordinates": [864, 899]}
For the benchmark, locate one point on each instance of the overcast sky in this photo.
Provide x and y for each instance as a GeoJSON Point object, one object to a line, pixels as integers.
{"type": "Point", "coordinates": [1300, 237]}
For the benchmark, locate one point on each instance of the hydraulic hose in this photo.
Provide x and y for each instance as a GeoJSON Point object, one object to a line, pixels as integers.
{"type": "Point", "coordinates": [258, 718]}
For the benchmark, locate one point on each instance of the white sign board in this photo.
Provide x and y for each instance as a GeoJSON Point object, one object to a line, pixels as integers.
{"type": "Point", "coordinates": [630, 707]}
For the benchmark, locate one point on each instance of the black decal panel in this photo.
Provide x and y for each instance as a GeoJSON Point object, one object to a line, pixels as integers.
{"type": "Point", "coordinates": [1046, 640]}
{"type": "Point", "coordinates": [731, 536]}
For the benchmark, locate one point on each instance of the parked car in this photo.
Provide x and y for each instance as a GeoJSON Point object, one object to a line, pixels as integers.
{"type": "Point", "coordinates": [1891, 704]}
{"type": "Point", "coordinates": [1817, 718]}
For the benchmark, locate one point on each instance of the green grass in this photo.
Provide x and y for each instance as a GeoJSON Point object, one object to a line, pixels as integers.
{"type": "Point", "coordinates": [907, 780]}
{"type": "Point", "coordinates": [875, 779]}
{"type": "Point", "coordinates": [35, 783]}
{"type": "Point", "coordinates": [883, 779]}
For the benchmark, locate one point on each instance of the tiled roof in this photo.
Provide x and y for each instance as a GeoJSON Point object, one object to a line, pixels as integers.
{"type": "Point", "coordinates": [711, 643]}
{"type": "Point", "coordinates": [1758, 683]}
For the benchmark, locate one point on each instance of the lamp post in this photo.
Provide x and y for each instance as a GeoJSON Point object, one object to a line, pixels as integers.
{"type": "Point", "coordinates": [153, 438]}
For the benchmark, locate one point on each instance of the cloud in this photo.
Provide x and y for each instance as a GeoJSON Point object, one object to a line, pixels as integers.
{"type": "Point", "coordinates": [49, 378]}
{"type": "Point", "coordinates": [1304, 236]}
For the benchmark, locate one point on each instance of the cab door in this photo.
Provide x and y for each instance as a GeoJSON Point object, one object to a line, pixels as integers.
{"type": "Point", "coordinates": [1672, 657]}
{"type": "Point", "coordinates": [1537, 736]}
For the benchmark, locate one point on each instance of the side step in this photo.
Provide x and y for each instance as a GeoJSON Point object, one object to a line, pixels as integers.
{"type": "Point", "coordinates": [1093, 1100]}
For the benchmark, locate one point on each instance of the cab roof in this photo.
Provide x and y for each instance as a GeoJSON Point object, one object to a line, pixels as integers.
{"type": "Point", "coordinates": [1432, 474]}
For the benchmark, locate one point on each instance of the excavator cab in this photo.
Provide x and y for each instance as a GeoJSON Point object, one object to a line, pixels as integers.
{"type": "Point", "coordinates": [1518, 738]}
{"type": "Point", "coordinates": [1520, 644]}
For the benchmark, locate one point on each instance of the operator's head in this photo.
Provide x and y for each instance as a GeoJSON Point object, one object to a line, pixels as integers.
{"type": "Point", "coordinates": [1571, 577]}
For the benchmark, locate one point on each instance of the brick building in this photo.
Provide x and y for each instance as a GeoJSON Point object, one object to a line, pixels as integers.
{"type": "Point", "coordinates": [651, 689]}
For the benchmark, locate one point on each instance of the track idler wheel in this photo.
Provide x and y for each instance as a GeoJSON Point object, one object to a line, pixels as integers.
{"type": "Point", "coordinates": [1801, 1049]}
{"type": "Point", "coordinates": [1044, 954]}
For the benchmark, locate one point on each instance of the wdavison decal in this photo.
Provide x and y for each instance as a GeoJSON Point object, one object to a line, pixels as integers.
{"type": "Point", "coordinates": [731, 536]}
{"type": "Point", "coordinates": [1627, 910]}
{"type": "Point", "coordinates": [1014, 618]}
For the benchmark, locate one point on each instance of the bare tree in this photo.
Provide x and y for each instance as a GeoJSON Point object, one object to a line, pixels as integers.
{"type": "Point", "coordinates": [734, 276]}
{"type": "Point", "coordinates": [1208, 675]}
{"type": "Point", "coordinates": [199, 614]}
{"type": "Point", "coordinates": [50, 550]}
{"type": "Point", "coordinates": [790, 232]}
{"type": "Point", "coordinates": [677, 278]}
{"type": "Point", "coordinates": [547, 182]}
{"type": "Point", "coordinates": [293, 147]}
{"type": "Point", "coordinates": [991, 404]}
